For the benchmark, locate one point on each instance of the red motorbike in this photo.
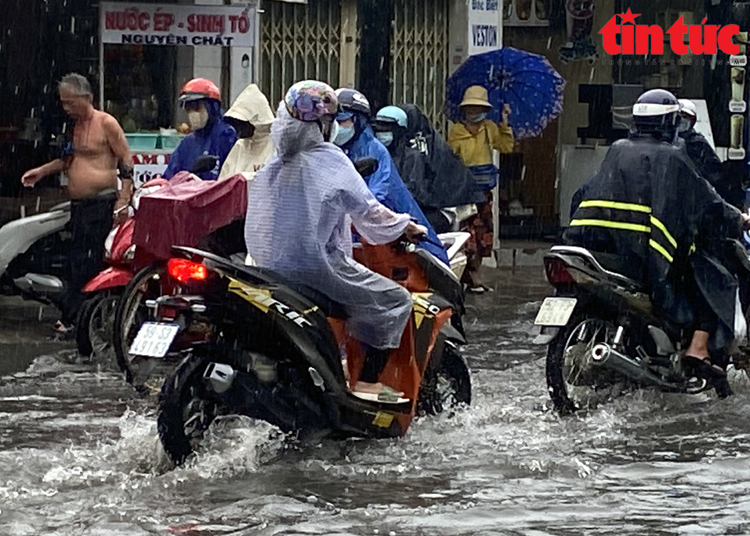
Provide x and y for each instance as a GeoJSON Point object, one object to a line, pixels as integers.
{"type": "Point", "coordinates": [96, 318]}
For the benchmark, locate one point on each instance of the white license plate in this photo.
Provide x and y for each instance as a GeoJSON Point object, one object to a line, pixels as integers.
{"type": "Point", "coordinates": [555, 311]}
{"type": "Point", "coordinates": [154, 339]}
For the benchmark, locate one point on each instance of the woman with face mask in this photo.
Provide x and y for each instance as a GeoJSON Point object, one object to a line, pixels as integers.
{"type": "Point", "coordinates": [473, 140]}
{"type": "Point", "coordinates": [210, 136]}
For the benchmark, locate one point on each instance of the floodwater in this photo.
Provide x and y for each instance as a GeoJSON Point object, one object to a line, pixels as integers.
{"type": "Point", "coordinates": [79, 456]}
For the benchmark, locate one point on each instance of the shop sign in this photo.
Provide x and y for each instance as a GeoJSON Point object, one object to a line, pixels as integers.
{"type": "Point", "coordinates": [146, 166]}
{"type": "Point", "coordinates": [485, 26]}
{"type": "Point", "coordinates": [125, 23]}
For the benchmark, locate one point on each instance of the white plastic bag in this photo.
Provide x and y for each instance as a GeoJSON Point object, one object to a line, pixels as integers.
{"type": "Point", "coordinates": [740, 324]}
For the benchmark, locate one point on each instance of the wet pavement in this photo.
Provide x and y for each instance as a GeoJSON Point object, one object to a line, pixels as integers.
{"type": "Point", "coordinates": [80, 456]}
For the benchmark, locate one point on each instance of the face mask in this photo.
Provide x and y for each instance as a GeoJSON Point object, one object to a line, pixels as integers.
{"type": "Point", "coordinates": [478, 118]}
{"type": "Point", "coordinates": [344, 135]}
{"type": "Point", "coordinates": [386, 138]}
{"type": "Point", "coordinates": [198, 118]}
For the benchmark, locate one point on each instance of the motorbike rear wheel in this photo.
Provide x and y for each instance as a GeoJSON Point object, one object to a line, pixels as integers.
{"type": "Point", "coordinates": [572, 381]}
{"type": "Point", "coordinates": [94, 329]}
{"type": "Point", "coordinates": [132, 312]}
{"type": "Point", "coordinates": [185, 409]}
{"type": "Point", "coordinates": [447, 387]}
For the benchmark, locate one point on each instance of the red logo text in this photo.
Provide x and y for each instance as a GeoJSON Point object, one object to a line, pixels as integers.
{"type": "Point", "coordinates": [643, 39]}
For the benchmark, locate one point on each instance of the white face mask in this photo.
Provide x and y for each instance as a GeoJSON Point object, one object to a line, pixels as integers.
{"type": "Point", "coordinates": [198, 118]}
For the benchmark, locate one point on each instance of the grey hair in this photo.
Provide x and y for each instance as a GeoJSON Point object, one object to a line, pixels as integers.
{"type": "Point", "coordinates": [77, 83]}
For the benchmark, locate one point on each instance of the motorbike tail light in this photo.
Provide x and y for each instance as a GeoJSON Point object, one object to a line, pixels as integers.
{"type": "Point", "coordinates": [557, 271]}
{"type": "Point", "coordinates": [184, 270]}
{"type": "Point", "coordinates": [167, 313]}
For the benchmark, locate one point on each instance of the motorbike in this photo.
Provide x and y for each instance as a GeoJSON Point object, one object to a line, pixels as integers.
{"type": "Point", "coordinates": [278, 351]}
{"type": "Point", "coordinates": [94, 328]}
{"type": "Point", "coordinates": [146, 373]}
{"type": "Point", "coordinates": [32, 255]}
{"type": "Point", "coordinates": [604, 337]}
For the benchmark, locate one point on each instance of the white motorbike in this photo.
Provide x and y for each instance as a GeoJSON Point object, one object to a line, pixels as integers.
{"type": "Point", "coordinates": [32, 251]}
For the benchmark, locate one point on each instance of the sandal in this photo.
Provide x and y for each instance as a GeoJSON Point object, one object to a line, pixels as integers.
{"type": "Point", "coordinates": [703, 368]}
{"type": "Point", "coordinates": [387, 396]}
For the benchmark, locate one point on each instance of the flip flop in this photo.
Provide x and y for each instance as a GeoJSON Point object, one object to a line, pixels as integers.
{"type": "Point", "coordinates": [387, 396]}
{"type": "Point", "coordinates": [703, 368]}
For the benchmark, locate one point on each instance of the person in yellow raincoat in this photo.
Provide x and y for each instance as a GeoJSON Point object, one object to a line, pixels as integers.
{"type": "Point", "coordinates": [251, 116]}
{"type": "Point", "coordinates": [473, 140]}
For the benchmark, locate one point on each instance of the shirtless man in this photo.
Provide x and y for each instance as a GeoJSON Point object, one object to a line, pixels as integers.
{"type": "Point", "coordinates": [99, 148]}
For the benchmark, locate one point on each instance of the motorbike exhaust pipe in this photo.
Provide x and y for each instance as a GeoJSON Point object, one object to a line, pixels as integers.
{"type": "Point", "coordinates": [606, 356]}
{"type": "Point", "coordinates": [220, 376]}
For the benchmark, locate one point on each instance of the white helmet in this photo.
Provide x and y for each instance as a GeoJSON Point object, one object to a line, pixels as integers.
{"type": "Point", "coordinates": [688, 108]}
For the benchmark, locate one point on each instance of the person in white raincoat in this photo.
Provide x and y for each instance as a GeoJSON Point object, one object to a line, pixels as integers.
{"type": "Point", "coordinates": [251, 116]}
{"type": "Point", "coordinates": [299, 215]}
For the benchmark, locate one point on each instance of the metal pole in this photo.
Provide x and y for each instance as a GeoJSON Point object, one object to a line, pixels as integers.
{"type": "Point", "coordinates": [101, 58]}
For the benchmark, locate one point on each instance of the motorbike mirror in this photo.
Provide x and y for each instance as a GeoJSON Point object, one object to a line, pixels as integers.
{"type": "Point", "coordinates": [366, 166]}
{"type": "Point", "coordinates": [204, 163]}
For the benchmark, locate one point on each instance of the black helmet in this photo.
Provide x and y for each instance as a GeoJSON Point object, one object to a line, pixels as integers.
{"type": "Point", "coordinates": [657, 112]}
{"type": "Point", "coordinates": [350, 101]}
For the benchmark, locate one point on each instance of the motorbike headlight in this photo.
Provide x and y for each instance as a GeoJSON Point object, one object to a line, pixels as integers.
{"type": "Point", "coordinates": [129, 254]}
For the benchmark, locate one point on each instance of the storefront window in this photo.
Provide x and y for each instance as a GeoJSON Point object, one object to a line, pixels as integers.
{"type": "Point", "coordinates": [139, 86]}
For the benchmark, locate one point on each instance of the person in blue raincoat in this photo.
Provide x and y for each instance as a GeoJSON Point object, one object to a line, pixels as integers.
{"type": "Point", "coordinates": [211, 136]}
{"type": "Point", "coordinates": [357, 139]}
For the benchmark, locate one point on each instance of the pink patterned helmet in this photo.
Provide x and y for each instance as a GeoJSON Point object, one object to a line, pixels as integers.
{"type": "Point", "coordinates": [311, 101]}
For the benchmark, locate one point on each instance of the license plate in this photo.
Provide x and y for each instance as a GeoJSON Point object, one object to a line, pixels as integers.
{"type": "Point", "coordinates": [154, 339]}
{"type": "Point", "coordinates": [555, 312]}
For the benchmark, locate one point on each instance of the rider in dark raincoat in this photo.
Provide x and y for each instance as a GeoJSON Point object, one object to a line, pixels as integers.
{"type": "Point", "coordinates": [432, 172]}
{"type": "Point", "coordinates": [211, 136]}
{"type": "Point", "coordinates": [705, 158]}
{"type": "Point", "coordinates": [644, 212]}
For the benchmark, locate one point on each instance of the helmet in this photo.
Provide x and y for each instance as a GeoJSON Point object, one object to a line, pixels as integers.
{"type": "Point", "coordinates": [352, 101]}
{"type": "Point", "coordinates": [657, 112]}
{"type": "Point", "coordinates": [200, 88]}
{"type": "Point", "coordinates": [392, 114]}
{"type": "Point", "coordinates": [311, 101]}
{"type": "Point", "coordinates": [688, 108]}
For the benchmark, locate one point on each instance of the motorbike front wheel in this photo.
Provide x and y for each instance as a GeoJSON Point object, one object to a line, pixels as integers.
{"type": "Point", "coordinates": [447, 385]}
{"type": "Point", "coordinates": [185, 409]}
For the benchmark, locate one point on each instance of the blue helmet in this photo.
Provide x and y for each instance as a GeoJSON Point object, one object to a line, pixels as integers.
{"type": "Point", "coordinates": [392, 114]}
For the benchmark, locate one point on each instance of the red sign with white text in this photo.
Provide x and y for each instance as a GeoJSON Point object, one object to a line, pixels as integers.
{"type": "Point", "coordinates": [169, 24]}
{"type": "Point", "coordinates": [643, 39]}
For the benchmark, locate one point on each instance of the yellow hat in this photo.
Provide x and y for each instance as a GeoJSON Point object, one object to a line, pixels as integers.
{"type": "Point", "coordinates": [475, 96]}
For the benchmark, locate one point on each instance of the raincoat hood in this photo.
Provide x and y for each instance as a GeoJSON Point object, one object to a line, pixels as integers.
{"type": "Point", "coordinates": [249, 155]}
{"type": "Point", "coordinates": [252, 106]}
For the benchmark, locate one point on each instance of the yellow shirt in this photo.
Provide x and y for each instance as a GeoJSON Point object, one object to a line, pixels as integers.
{"type": "Point", "coordinates": [477, 150]}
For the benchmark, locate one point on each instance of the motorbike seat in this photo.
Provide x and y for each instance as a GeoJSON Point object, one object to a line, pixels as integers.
{"type": "Point", "coordinates": [329, 307]}
{"type": "Point", "coordinates": [594, 262]}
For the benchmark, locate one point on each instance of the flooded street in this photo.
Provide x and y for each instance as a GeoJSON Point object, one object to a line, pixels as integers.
{"type": "Point", "coordinates": [80, 456]}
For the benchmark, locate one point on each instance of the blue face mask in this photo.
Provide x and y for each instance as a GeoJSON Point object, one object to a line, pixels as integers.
{"type": "Point", "coordinates": [479, 118]}
{"type": "Point", "coordinates": [344, 135]}
{"type": "Point", "coordinates": [386, 138]}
